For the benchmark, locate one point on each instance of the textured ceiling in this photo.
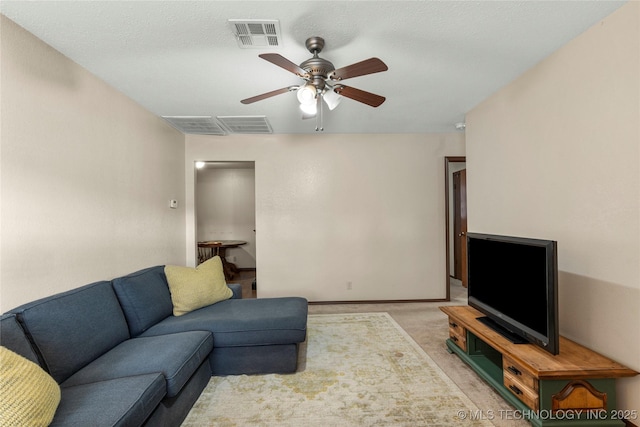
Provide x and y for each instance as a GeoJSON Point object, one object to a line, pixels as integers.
{"type": "Point", "coordinates": [180, 58]}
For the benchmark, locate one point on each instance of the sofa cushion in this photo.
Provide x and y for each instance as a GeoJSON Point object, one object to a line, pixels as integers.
{"type": "Point", "coordinates": [144, 297]}
{"type": "Point", "coordinates": [194, 288]}
{"type": "Point", "coordinates": [236, 289]}
{"type": "Point", "coordinates": [118, 402]}
{"type": "Point", "coordinates": [252, 360]}
{"type": "Point", "coordinates": [172, 411]}
{"type": "Point", "coordinates": [14, 338]}
{"type": "Point", "coordinates": [176, 356]}
{"type": "Point", "coordinates": [244, 322]}
{"type": "Point", "coordinates": [73, 328]}
{"type": "Point", "coordinates": [28, 395]}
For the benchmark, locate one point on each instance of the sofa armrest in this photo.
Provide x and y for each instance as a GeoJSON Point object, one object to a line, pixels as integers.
{"type": "Point", "coordinates": [237, 290]}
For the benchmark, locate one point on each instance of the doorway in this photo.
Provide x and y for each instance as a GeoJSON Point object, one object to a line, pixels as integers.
{"type": "Point", "coordinates": [456, 221]}
{"type": "Point", "coordinates": [226, 219]}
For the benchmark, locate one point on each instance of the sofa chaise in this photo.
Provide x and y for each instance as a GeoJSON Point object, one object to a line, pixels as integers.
{"type": "Point", "coordinates": [122, 358]}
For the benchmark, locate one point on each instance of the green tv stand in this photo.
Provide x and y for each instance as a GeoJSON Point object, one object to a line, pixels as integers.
{"type": "Point", "coordinates": [573, 388]}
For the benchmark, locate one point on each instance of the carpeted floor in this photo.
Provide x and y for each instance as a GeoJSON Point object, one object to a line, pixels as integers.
{"type": "Point", "coordinates": [427, 325]}
{"type": "Point", "coordinates": [359, 369]}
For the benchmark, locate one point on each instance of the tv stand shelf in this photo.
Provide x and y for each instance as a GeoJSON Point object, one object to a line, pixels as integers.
{"type": "Point", "coordinates": [574, 388]}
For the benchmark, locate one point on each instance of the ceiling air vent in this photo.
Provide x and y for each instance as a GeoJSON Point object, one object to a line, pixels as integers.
{"type": "Point", "coordinates": [199, 125]}
{"type": "Point", "coordinates": [245, 124]}
{"type": "Point", "coordinates": [256, 33]}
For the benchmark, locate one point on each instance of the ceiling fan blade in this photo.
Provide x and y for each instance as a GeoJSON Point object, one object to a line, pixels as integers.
{"type": "Point", "coordinates": [268, 95]}
{"type": "Point", "coordinates": [283, 62]}
{"type": "Point", "coordinates": [362, 68]}
{"type": "Point", "coordinates": [360, 95]}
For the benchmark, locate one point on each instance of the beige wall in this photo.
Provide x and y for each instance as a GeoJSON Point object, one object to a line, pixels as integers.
{"type": "Point", "coordinates": [87, 176]}
{"type": "Point", "coordinates": [333, 209]}
{"type": "Point", "coordinates": [555, 155]}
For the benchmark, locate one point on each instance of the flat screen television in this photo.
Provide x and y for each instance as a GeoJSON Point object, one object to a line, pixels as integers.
{"type": "Point", "coordinates": [513, 281]}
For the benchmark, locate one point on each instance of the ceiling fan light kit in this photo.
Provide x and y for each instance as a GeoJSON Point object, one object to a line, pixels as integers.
{"type": "Point", "coordinates": [307, 94]}
{"type": "Point", "coordinates": [309, 110]}
{"type": "Point", "coordinates": [321, 81]}
{"type": "Point", "coordinates": [332, 99]}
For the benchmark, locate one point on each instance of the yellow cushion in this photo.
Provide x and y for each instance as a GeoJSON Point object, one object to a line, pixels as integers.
{"type": "Point", "coordinates": [28, 395]}
{"type": "Point", "coordinates": [194, 288]}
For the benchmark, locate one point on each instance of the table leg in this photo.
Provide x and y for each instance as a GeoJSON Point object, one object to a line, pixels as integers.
{"type": "Point", "coordinates": [229, 268]}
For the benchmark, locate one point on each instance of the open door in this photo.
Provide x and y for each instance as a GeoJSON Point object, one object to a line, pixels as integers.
{"type": "Point", "coordinates": [451, 166]}
{"type": "Point", "coordinates": [460, 225]}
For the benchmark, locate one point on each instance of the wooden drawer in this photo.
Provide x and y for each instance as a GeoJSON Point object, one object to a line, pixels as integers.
{"type": "Point", "coordinates": [525, 394]}
{"type": "Point", "coordinates": [520, 383]}
{"type": "Point", "coordinates": [458, 334]}
{"type": "Point", "coordinates": [457, 328]}
{"type": "Point", "coordinates": [517, 372]}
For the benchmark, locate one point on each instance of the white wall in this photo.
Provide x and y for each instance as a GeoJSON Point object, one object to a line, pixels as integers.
{"type": "Point", "coordinates": [226, 210]}
{"type": "Point", "coordinates": [332, 209]}
{"type": "Point", "coordinates": [556, 155]}
{"type": "Point", "coordinates": [87, 176]}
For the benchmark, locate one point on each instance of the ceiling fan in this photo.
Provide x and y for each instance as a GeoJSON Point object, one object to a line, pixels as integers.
{"type": "Point", "coordinates": [323, 81]}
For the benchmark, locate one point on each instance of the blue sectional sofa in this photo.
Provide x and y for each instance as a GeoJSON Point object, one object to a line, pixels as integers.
{"type": "Point", "coordinates": [122, 359]}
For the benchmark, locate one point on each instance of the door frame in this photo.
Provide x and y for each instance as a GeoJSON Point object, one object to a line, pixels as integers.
{"type": "Point", "coordinates": [447, 171]}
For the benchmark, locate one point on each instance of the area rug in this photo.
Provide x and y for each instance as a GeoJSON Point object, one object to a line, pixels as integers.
{"type": "Point", "coordinates": [354, 370]}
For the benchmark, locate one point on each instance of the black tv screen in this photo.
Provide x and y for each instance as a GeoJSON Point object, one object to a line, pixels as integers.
{"type": "Point", "coordinates": [513, 281]}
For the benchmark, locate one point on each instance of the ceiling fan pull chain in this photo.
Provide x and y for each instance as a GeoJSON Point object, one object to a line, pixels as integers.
{"type": "Point", "coordinates": [319, 123]}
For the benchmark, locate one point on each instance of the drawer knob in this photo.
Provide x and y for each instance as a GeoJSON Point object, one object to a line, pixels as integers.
{"type": "Point", "coordinates": [514, 370]}
{"type": "Point", "coordinates": [453, 324]}
{"type": "Point", "coordinates": [454, 338]}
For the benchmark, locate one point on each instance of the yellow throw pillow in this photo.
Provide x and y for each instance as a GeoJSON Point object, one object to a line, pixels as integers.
{"type": "Point", "coordinates": [28, 395]}
{"type": "Point", "coordinates": [194, 288]}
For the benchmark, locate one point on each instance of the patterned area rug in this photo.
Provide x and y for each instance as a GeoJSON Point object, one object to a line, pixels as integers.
{"type": "Point", "coordinates": [354, 370]}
